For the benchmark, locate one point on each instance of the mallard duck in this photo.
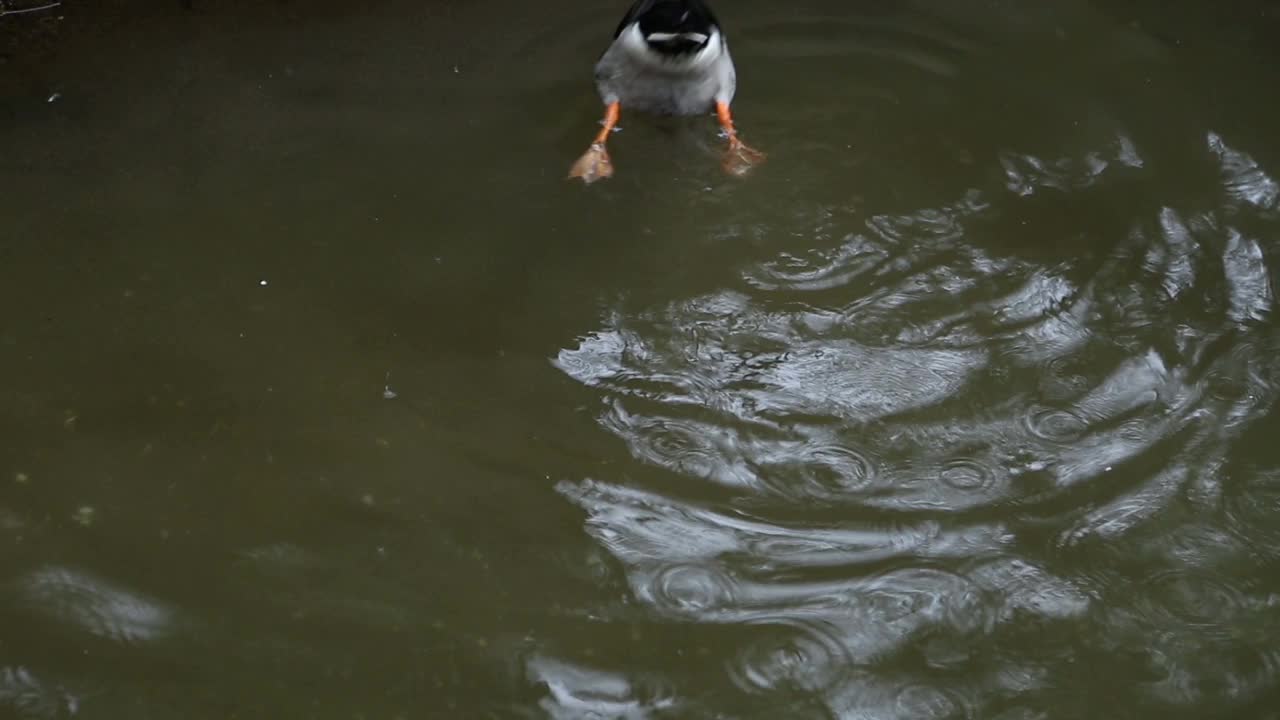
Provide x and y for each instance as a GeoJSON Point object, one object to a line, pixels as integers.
{"type": "Point", "coordinates": [668, 57]}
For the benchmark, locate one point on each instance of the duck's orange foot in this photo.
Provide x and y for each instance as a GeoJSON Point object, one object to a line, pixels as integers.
{"type": "Point", "coordinates": [739, 158]}
{"type": "Point", "coordinates": [593, 165]}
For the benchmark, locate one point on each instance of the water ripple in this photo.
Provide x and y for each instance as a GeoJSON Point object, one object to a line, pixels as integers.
{"type": "Point", "coordinates": [1198, 602]}
{"type": "Point", "coordinates": [96, 606]}
{"type": "Point", "coordinates": [904, 696]}
{"type": "Point", "coordinates": [31, 697]}
{"type": "Point", "coordinates": [791, 654]}
{"type": "Point", "coordinates": [697, 449]}
{"type": "Point", "coordinates": [693, 590]}
{"type": "Point", "coordinates": [943, 598]}
{"type": "Point", "coordinates": [1026, 174]}
{"type": "Point", "coordinates": [1252, 508]}
{"type": "Point", "coordinates": [922, 446]}
{"type": "Point", "coordinates": [1243, 180]}
{"type": "Point", "coordinates": [1245, 268]}
{"type": "Point", "coordinates": [928, 702]}
{"type": "Point", "coordinates": [967, 475]}
{"type": "Point", "coordinates": [859, 255]}
{"type": "Point", "coordinates": [642, 528]}
{"type": "Point", "coordinates": [816, 470]}
{"type": "Point", "coordinates": [580, 691]}
{"type": "Point", "coordinates": [1056, 425]}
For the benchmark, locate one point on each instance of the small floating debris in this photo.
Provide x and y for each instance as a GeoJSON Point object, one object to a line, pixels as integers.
{"type": "Point", "coordinates": [84, 515]}
{"type": "Point", "coordinates": [21, 478]}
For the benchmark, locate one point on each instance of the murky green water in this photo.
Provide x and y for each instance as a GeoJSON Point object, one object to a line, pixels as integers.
{"type": "Point", "coordinates": [323, 395]}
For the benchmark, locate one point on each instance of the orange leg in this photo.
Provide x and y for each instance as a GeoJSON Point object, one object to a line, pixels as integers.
{"type": "Point", "coordinates": [595, 163]}
{"type": "Point", "coordinates": [738, 158]}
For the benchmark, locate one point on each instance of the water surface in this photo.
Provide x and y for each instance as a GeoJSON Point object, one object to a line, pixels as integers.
{"type": "Point", "coordinates": [325, 395]}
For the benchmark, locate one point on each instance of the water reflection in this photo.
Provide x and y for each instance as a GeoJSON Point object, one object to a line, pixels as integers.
{"type": "Point", "coordinates": [944, 431]}
{"type": "Point", "coordinates": [27, 694]}
{"type": "Point", "coordinates": [76, 599]}
{"type": "Point", "coordinates": [581, 692]}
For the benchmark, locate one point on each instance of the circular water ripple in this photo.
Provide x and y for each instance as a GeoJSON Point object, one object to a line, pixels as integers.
{"type": "Point", "coordinates": [681, 445]}
{"type": "Point", "coordinates": [692, 590]}
{"type": "Point", "coordinates": [928, 702]}
{"type": "Point", "coordinates": [819, 471]}
{"type": "Point", "coordinates": [967, 474]}
{"type": "Point", "coordinates": [1195, 602]}
{"type": "Point", "coordinates": [952, 485]}
{"type": "Point", "coordinates": [791, 654]}
{"type": "Point", "coordinates": [678, 445]}
{"type": "Point", "coordinates": [924, 596]}
{"type": "Point", "coordinates": [1062, 379]}
{"type": "Point", "coordinates": [1056, 426]}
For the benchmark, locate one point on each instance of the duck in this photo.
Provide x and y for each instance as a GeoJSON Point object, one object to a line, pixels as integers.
{"type": "Point", "coordinates": [670, 58]}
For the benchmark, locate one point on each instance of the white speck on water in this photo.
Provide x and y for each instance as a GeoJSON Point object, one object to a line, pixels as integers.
{"type": "Point", "coordinates": [262, 283]}
{"type": "Point", "coordinates": [84, 515]}
{"type": "Point", "coordinates": [1107, 469]}
{"type": "Point", "coordinates": [54, 97]}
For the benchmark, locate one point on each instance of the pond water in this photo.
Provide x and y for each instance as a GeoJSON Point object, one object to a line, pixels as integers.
{"type": "Point", "coordinates": [326, 395]}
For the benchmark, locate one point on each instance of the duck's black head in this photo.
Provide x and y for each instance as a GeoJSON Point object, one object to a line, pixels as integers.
{"type": "Point", "coordinates": [672, 27]}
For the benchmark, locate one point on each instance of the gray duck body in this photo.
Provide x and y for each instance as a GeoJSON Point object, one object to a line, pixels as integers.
{"type": "Point", "coordinates": [668, 57]}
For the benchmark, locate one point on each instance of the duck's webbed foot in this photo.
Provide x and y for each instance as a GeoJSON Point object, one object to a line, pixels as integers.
{"type": "Point", "coordinates": [595, 163]}
{"type": "Point", "coordinates": [739, 158]}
